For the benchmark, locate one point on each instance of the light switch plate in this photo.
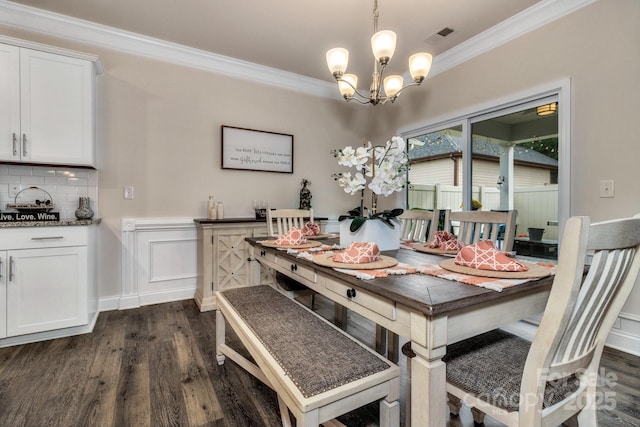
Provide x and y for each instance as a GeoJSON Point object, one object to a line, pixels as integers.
{"type": "Point", "coordinates": [128, 192]}
{"type": "Point", "coordinates": [607, 188]}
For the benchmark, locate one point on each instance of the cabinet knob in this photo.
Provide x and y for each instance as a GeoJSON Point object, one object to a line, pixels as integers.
{"type": "Point", "coordinates": [351, 293]}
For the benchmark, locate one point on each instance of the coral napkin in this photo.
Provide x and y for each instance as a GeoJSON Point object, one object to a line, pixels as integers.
{"type": "Point", "coordinates": [359, 253]}
{"type": "Point", "coordinates": [292, 237]}
{"type": "Point", "coordinates": [485, 256]}
{"type": "Point", "coordinates": [310, 229]}
{"type": "Point", "coordinates": [446, 241]}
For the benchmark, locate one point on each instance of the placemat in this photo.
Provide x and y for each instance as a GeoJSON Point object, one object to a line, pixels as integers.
{"type": "Point", "coordinates": [272, 244]}
{"type": "Point", "coordinates": [535, 271]}
{"type": "Point", "coordinates": [424, 247]}
{"type": "Point", "coordinates": [323, 236]}
{"type": "Point", "coordinates": [326, 260]}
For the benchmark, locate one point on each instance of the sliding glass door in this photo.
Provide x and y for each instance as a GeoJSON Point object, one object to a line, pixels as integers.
{"type": "Point", "coordinates": [511, 157]}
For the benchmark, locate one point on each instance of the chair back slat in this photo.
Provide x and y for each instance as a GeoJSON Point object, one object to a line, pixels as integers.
{"type": "Point", "coordinates": [419, 225]}
{"type": "Point", "coordinates": [285, 219]}
{"type": "Point", "coordinates": [582, 308]}
{"type": "Point", "coordinates": [607, 271]}
{"type": "Point", "coordinates": [474, 226]}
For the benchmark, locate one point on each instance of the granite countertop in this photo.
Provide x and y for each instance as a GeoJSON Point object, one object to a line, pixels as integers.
{"type": "Point", "coordinates": [62, 222]}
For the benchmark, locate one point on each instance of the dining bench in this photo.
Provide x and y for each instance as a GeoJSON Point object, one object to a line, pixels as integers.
{"type": "Point", "coordinates": [317, 370]}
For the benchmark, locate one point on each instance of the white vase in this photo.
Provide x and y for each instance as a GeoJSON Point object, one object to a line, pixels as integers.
{"type": "Point", "coordinates": [372, 230]}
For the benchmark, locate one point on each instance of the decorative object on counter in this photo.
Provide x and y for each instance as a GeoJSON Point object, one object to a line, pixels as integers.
{"type": "Point", "coordinates": [211, 209]}
{"type": "Point", "coordinates": [260, 207]}
{"type": "Point", "coordinates": [39, 205]}
{"type": "Point", "coordinates": [84, 210]}
{"type": "Point", "coordinates": [386, 167]}
{"type": "Point", "coordinates": [219, 211]}
{"type": "Point", "coordinates": [305, 194]}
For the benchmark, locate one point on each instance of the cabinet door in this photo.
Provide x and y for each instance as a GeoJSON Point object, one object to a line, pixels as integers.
{"type": "Point", "coordinates": [47, 289]}
{"type": "Point", "coordinates": [231, 268]}
{"type": "Point", "coordinates": [9, 102]}
{"type": "Point", "coordinates": [57, 109]}
{"type": "Point", "coordinates": [3, 294]}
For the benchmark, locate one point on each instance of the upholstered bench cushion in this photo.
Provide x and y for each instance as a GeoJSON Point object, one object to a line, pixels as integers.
{"type": "Point", "coordinates": [490, 367]}
{"type": "Point", "coordinates": [313, 354]}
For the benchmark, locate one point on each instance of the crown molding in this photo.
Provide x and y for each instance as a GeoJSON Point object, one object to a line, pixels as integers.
{"type": "Point", "coordinates": [530, 19]}
{"type": "Point", "coordinates": [56, 25]}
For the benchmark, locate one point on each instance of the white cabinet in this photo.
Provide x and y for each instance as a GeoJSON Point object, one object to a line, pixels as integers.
{"type": "Point", "coordinates": [223, 257]}
{"type": "Point", "coordinates": [47, 107]}
{"type": "Point", "coordinates": [46, 281]}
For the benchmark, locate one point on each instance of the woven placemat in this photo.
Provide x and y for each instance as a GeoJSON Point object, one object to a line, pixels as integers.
{"type": "Point", "coordinates": [326, 260]}
{"type": "Point", "coordinates": [272, 244]}
{"type": "Point", "coordinates": [535, 271]}
{"type": "Point", "coordinates": [324, 236]}
{"type": "Point", "coordinates": [424, 247]}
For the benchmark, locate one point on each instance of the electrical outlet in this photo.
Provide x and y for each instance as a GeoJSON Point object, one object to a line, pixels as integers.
{"type": "Point", "coordinates": [14, 189]}
{"type": "Point", "coordinates": [128, 192]}
{"type": "Point", "coordinates": [607, 188]}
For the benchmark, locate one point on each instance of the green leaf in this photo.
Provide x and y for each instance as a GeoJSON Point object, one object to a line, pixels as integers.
{"type": "Point", "coordinates": [357, 223]}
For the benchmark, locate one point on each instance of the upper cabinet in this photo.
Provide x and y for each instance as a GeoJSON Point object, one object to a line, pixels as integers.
{"type": "Point", "coordinates": [47, 107]}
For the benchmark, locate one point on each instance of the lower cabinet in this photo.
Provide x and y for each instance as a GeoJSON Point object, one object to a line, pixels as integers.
{"type": "Point", "coordinates": [45, 281]}
{"type": "Point", "coordinates": [223, 257]}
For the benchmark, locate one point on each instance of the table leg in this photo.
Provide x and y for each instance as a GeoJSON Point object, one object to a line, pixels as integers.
{"type": "Point", "coordinates": [428, 371]}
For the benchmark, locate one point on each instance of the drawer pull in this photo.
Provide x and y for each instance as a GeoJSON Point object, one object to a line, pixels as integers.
{"type": "Point", "coordinates": [351, 293]}
{"type": "Point", "coordinates": [48, 238]}
{"type": "Point", "coordinates": [294, 267]}
{"type": "Point", "coordinates": [263, 253]}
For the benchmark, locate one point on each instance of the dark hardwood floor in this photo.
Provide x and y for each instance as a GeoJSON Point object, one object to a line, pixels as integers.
{"type": "Point", "coordinates": [156, 366]}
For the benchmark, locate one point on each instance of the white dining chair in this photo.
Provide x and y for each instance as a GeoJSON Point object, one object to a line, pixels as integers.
{"type": "Point", "coordinates": [279, 221]}
{"type": "Point", "coordinates": [419, 225]}
{"type": "Point", "coordinates": [552, 380]}
{"type": "Point", "coordinates": [473, 226]}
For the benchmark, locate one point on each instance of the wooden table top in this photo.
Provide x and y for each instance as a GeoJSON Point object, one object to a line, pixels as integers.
{"type": "Point", "coordinates": [430, 295]}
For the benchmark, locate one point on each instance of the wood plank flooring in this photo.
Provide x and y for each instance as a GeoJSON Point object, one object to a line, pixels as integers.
{"type": "Point", "coordinates": [156, 366]}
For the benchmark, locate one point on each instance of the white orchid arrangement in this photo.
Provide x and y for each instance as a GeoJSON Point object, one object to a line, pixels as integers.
{"type": "Point", "coordinates": [382, 169]}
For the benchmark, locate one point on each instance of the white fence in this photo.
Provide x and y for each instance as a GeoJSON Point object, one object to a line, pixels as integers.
{"type": "Point", "coordinates": [536, 206]}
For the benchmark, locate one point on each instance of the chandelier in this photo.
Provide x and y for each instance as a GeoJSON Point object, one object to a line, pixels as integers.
{"type": "Point", "coordinates": [383, 44]}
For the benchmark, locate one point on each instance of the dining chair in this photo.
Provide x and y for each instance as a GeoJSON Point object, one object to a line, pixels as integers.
{"type": "Point", "coordinates": [419, 225]}
{"type": "Point", "coordinates": [279, 221]}
{"type": "Point", "coordinates": [552, 380]}
{"type": "Point", "coordinates": [284, 219]}
{"type": "Point", "coordinates": [474, 226]}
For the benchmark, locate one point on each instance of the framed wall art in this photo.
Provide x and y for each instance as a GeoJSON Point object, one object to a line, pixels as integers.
{"type": "Point", "coordinates": [256, 150]}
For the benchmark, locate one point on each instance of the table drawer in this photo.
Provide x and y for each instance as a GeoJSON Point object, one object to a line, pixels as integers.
{"type": "Point", "coordinates": [363, 298]}
{"type": "Point", "coordinates": [263, 254]}
{"type": "Point", "coordinates": [298, 270]}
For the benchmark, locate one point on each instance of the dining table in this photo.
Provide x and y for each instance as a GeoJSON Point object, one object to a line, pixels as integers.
{"type": "Point", "coordinates": [432, 312]}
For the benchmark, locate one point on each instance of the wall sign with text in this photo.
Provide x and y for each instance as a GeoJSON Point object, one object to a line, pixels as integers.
{"type": "Point", "coordinates": [256, 150]}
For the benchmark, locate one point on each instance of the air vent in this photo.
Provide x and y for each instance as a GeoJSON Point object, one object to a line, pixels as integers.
{"type": "Point", "coordinates": [436, 37]}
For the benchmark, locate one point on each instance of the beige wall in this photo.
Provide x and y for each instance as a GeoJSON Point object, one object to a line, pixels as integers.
{"type": "Point", "coordinates": [159, 130]}
{"type": "Point", "coordinates": [597, 48]}
{"type": "Point", "coordinates": [159, 124]}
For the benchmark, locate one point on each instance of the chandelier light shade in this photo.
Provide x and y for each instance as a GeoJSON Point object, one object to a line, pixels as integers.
{"type": "Point", "coordinates": [547, 109]}
{"type": "Point", "coordinates": [383, 45]}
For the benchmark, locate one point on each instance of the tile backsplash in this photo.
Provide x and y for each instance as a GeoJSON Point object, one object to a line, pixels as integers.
{"type": "Point", "coordinates": [65, 185]}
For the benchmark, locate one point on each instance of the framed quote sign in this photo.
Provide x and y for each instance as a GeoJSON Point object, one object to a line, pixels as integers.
{"type": "Point", "coordinates": [256, 150]}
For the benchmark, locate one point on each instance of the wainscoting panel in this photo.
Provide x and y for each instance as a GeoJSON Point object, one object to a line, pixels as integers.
{"type": "Point", "coordinates": [158, 261]}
